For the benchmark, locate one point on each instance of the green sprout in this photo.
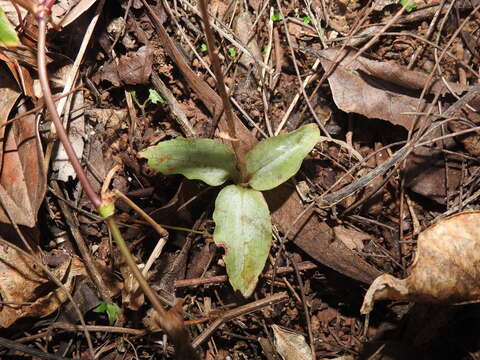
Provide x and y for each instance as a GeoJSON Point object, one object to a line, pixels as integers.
{"type": "Point", "coordinates": [203, 48]}
{"type": "Point", "coordinates": [307, 20]}
{"type": "Point", "coordinates": [232, 52]}
{"type": "Point", "coordinates": [112, 311]}
{"type": "Point", "coordinates": [277, 17]}
{"type": "Point", "coordinates": [154, 97]}
{"type": "Point", "coordinates": [410, 7]}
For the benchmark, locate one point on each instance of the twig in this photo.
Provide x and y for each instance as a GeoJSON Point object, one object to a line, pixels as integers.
{"type": "Point", "coordinates": [9, 344]}
{"type": "Point", "coordinates": [240, 311]}
{"type": "Point", "coordinates": [82, 246]}
{"type": "Point", "coordinates": [227, 106]}
{"type": "Point", "coordinates": [306, 265]}
{"type": "Point", "coordinates": [175, 108]}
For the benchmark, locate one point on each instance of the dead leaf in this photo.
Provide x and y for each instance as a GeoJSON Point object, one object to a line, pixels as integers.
{"type": "Point", "coordinates": [314, 237]}
{"type": "Point", "coordinates": [74, 10]}
{"type": "Point", "coordinates": [290, 345]}
{"type": "Point", "coordinates": [135, 67]}
{"type": "Point", "coordinates": [425, 174]}
{"type": "Point", "coordinates": [352, 238]}
{"type": "Point", "coordinates": [22, 176]}
{"type": "Point", "coordinates": [377, 89]}
{"type": "Point", "coordinates": [446, 268]}
{"type": "Point", "coordinates": [22, 286]}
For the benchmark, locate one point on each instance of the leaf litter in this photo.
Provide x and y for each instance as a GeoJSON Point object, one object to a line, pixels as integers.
{"type": "Point", "coordinates": [369, 232]}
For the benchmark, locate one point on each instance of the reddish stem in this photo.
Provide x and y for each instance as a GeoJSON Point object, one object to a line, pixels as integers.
{"type": "Point", "coordinates": [61, 133]}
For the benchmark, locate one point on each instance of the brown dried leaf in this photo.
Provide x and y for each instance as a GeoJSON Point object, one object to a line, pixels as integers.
{"type": "Point", "coordinates": [445, 270]}
{"type": "Point", "coordinates": [135, 67]}
{"type": "Point", "coordinates": [377, 89]}
{"type": "Point", "coordinates": [22, 176]}
{"type": "Point", "coordinates": [425, 174]}
{"type": "Point", "coordinates": [22, 286]}
{"type": "Point", "coordinates": [352, 238]}
{"type": "Point", "coordinates": [314, 237]}
{"type": "Point", "coordinates": [290, 345]}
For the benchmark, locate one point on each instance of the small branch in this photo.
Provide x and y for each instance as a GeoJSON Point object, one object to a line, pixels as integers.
{"type": "Point", "coordinates": [240, 311]}
{"type": "Point", "coordinates": [217, 69]}
{"type": "Point", "coordinates": [306, 265]}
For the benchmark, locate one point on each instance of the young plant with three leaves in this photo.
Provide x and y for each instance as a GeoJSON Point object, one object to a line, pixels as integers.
{"type": "Point", "coordinates": [242, 218]}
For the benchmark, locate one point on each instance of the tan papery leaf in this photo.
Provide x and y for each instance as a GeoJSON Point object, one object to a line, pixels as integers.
{"type": "Point", "coordinates": [446, 268]}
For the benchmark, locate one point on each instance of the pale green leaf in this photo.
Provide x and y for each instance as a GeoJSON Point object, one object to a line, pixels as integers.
{"type": "Point", "coordinates": [112, 312]}
{"type": "Point", "coordinates": [243, 227]}
{"type": "Point", "coordinates": [8, 37]}
{"type": "Point", "coordinates": [199, 159]}
{"type": "Point", "coordinates": [155, 97]}
{"type": "Point", "coordinates": [276, 159]}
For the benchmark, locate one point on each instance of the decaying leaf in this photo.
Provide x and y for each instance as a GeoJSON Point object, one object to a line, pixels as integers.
{"type": "Point", "coordinates": [446, 268]}
{"type": "Point", "coordinates": [135, 67]}
{"type": "Point", "coordinates": [22, 177]}
{"type": "Point", "coordinates": [315, 237]}
{"type": "Point", "coordinates": [290, 345]}
{"type": "Point", "coordinates": [199, 159]}
{"type": "Point", "coordinates": [243, 228]}
{"type": "Point", "coordinates": [274, 160]}
{"type": "Point", "coordinates": [377, 89]}
{"type": "Point", "coordinates": [23, 284]}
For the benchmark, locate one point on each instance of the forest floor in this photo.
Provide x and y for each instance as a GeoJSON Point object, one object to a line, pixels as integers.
{"type": "Point", "coordinates": [377, 77]}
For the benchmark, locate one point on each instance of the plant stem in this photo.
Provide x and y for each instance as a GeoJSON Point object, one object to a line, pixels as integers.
{"type": "Point", "coordinates": [217, 69]}
{"type": "Point", "coordinates": [170, 321]}
{"type": "Point", "coordinates": [61, 133]}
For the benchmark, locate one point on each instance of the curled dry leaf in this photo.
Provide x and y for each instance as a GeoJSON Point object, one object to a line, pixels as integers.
{"type": "Point", "coordinates": [446, 268]}
{"type": "Point", "coordinates": [290, 345]}
{"type": "Point", "coordinates": [377, 89]}
{"type": "Point", "coordinates": [23, 284]}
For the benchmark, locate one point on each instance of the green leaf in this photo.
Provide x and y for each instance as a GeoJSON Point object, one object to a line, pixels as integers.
{"type": "Point", "coordinates": [232, 52]}
{"type": "Point", "coordinates": [276, 159]}
{"type": "Point", "coordinates": [203, 47]}
{"type": "Point", "coordinates": [410, 7]}
{"type": "Point", "coordinates": [133, 93]}
{"type": "Point", "coordinates": [200, 159]}
{"type": "Point", "coordinates": [306, 20]}
{"type": "Point", "coordinates": [8, 36]}
{"type": "Point", "coordinates": [155, 97]}
{"type": "Point", "coordinates": [243, 227]}
{"type": "Point", "coordinates": [112, 312]}
{"type": "Point", "coordinates": [101, 308]}
{"type": "Point", "coordinates": [277, 17]}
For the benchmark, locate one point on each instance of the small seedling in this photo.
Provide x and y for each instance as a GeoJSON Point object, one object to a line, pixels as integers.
{"type": "Point", "coordinates": [242, 218]}
{"type": "Point", "coordinates": [410, 7]}
{"type": "Point", "coordinates": [112, 311]}
{"type": "Point", "coordinates": [307, 20]}
{"type": "Point", "coordinates": [153, 97]}
{"type": "Point", "coordinates": [232, 52]}
{"type": "Point", "coordinates": [277, 17]}
{"type": "Point", "coordinates": [203, 48]}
